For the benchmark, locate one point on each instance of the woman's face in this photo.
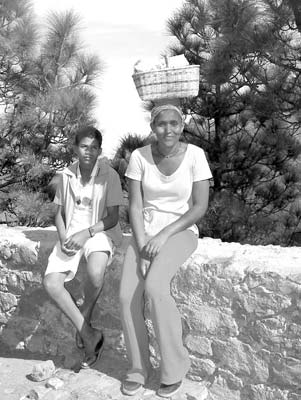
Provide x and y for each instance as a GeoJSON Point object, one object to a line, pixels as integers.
{"type": "Point", "coordinates": [168, 126]}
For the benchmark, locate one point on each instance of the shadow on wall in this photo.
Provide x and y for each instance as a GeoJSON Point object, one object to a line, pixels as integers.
{"type": "Point", "coordinates": [30, 322]}
{"type": "Point", "coordinates": [22, 294]}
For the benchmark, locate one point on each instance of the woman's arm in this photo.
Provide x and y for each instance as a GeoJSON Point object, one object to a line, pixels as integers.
{"type": "Point", "coordinates": [136, 212]}
{"type": "Point", "coordinates": [137, 224]}
{"type": "Point", "coordinates": [200, 195]}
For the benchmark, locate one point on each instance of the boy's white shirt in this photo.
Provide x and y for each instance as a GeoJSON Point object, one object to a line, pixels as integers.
{"type": "Point", "coordinates": [100, 172]}
{"type": "Point", "coordinates": [82, 210]}
{"type": "Point", "coordinates": [94, 172]}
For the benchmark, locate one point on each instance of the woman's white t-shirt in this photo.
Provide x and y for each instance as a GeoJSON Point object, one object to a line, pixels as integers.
{"type": "Point", "coordinates": [166, 198]}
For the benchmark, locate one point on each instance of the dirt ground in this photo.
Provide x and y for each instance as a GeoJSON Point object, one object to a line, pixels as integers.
{"type": "Point", "coordinates": [100, 383]}
{"type": "Point", "coordinates": [14, 382]}
{"type": "Point", "coordinates": [15, 370]}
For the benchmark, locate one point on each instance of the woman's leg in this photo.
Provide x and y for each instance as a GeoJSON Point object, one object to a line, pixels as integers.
{"type": "Point", "coordinates": [132, 316]}
{"type": "Point", "coordinates": [164, 313]}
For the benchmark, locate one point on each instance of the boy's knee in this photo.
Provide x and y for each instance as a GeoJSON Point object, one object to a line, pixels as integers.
{"type": "Point", "coordinates": [46, 283]}
{"type": "Point", "coordinates": [51, 285]}
{"type": "Point", "coordinates": [96, 280]}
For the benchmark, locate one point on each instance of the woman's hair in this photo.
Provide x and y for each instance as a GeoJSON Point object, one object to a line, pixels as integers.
{"type": "Point", "coordinates": [88, 131]}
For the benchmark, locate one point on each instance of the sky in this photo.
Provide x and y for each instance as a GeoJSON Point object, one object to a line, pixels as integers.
{"type": "Point", "coordinates": [120, 32]}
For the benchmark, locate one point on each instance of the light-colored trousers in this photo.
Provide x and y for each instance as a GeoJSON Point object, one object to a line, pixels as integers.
{"type": "Point", "coordinates": [163, 310]}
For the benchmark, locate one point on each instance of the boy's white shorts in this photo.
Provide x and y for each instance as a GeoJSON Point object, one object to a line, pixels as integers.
{"type": "Point", "coordinates": [60, 262]}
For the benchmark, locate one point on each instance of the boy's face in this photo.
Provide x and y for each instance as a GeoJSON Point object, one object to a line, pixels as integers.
{"type": "Point", "coordinates": [87, 151]}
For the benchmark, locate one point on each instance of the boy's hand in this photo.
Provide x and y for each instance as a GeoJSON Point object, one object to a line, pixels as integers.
{"type": "Point", "coordinates": [67, 251]}
{"type": "Point", "coordinates": [77, 240]}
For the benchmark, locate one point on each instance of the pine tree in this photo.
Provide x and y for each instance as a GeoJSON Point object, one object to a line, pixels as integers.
{"type": "Point", "coordinates": [246, 115]}
{"type": "Point", "coordinates": [17, 44]}
{"type": "Point", "coordinates": [127, 145]}
{"type": "Point", "coordinates": [46, 89]}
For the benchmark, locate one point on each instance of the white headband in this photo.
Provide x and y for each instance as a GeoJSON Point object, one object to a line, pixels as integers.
{"type": "Point", "coordinates": [156, 111]}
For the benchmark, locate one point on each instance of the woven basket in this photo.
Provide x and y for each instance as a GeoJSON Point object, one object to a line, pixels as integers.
{"type": "Point", "coordinates": [168, 83]}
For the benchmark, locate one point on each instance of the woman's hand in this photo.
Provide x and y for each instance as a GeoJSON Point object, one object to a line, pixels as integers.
{"type": "Point", "coordinates": [154, 245]}
{"type": "Point", "coordinates": [76, 241]}
{"type": "Point", "coordinates": [144, 266]}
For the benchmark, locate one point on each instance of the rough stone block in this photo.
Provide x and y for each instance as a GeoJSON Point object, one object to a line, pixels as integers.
{"type": "Point", "coordinates": [54, 383]}
{"type": "Point", "coordinates": [241, 359]}
{"type": "Point", "coordinates": [240, 306]}
{"type": "Point", "coordinates": [43, 371]}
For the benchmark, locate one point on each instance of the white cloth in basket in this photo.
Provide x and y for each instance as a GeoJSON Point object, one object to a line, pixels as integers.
{"type": "Point", "coordinates": [161, 63]}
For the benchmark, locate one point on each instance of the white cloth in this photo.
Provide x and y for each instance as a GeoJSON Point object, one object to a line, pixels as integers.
{"type": "Point", "coordinates": [103, 190]}
{"type": "Point", "coordinates": [82, 212]}
{"type": "Point", "coordinates": [60, 262]}
{"type": "Point", "coordinates": [166, 198]}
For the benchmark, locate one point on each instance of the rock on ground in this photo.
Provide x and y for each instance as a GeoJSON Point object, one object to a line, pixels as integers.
{"type": "Point", "coordinates": [93, 384]}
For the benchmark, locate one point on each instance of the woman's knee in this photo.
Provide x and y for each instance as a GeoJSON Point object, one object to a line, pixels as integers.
{"type": "Point", "coordinates": [125, 299]}
{"type": "Point", "coordinates": [153, 289]}
{"type": "Point", "coordinates": [130, 298]}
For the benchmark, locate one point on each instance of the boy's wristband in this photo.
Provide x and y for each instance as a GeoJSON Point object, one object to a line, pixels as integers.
{"type": "Point", "coordinates": [91, 231]}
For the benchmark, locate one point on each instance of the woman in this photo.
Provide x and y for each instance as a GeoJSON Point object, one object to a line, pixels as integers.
{"type": "Point", "coordinates": [168, 192]}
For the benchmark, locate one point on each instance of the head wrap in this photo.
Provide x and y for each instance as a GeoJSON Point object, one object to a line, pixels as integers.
{"type": "Point", "coordinates": [156, 111]}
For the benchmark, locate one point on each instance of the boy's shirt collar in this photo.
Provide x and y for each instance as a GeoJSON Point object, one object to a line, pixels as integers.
{"type": "Point", "coordinates": [95, 170]}
{"type": "Point", "coordinates": [102, 169]}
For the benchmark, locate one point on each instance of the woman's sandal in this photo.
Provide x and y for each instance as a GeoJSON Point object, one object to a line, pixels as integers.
{"type": "Point", "coordinates": [90, 360]}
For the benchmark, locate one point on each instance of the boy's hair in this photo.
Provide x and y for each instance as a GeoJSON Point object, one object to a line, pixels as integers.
{"type": "Point", "coordinates": [88, 131]}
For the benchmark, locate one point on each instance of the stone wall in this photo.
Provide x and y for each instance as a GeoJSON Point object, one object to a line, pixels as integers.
{"type": "Point", "coordinates": [240, 306]}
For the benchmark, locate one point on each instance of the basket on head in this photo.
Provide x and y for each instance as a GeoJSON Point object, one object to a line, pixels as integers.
{"type": "Point", "coordinates": [168, 83]}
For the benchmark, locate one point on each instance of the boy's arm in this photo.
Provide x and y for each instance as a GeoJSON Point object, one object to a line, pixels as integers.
{"type": "Point", "coordinates": [60, 224]}
{"type": "Point", "coordinates": [61, 230]}
{"type": "Point", "coordinates": [77, 240]}
{"type": "Point", "coordinates": [108, 222]}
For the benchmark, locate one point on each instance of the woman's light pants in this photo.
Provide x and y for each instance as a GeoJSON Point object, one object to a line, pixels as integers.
{"type": "Point", "coordinates": [163, 310]}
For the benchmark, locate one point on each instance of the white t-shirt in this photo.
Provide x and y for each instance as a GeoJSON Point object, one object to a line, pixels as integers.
{"type": "Point", "coordinates": [82, 212]}
{"type": "Point", "coordinates": [166, 198]}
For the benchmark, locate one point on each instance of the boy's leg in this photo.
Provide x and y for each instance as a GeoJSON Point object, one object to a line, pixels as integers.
{"type": "Point", "coordinates": [54, 285]}
{"type": "Point", "coordinates": [96, 266]}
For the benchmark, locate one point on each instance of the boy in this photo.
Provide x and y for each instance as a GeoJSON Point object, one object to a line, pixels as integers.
{"type": "Point", "coordinates": [88, 198]}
